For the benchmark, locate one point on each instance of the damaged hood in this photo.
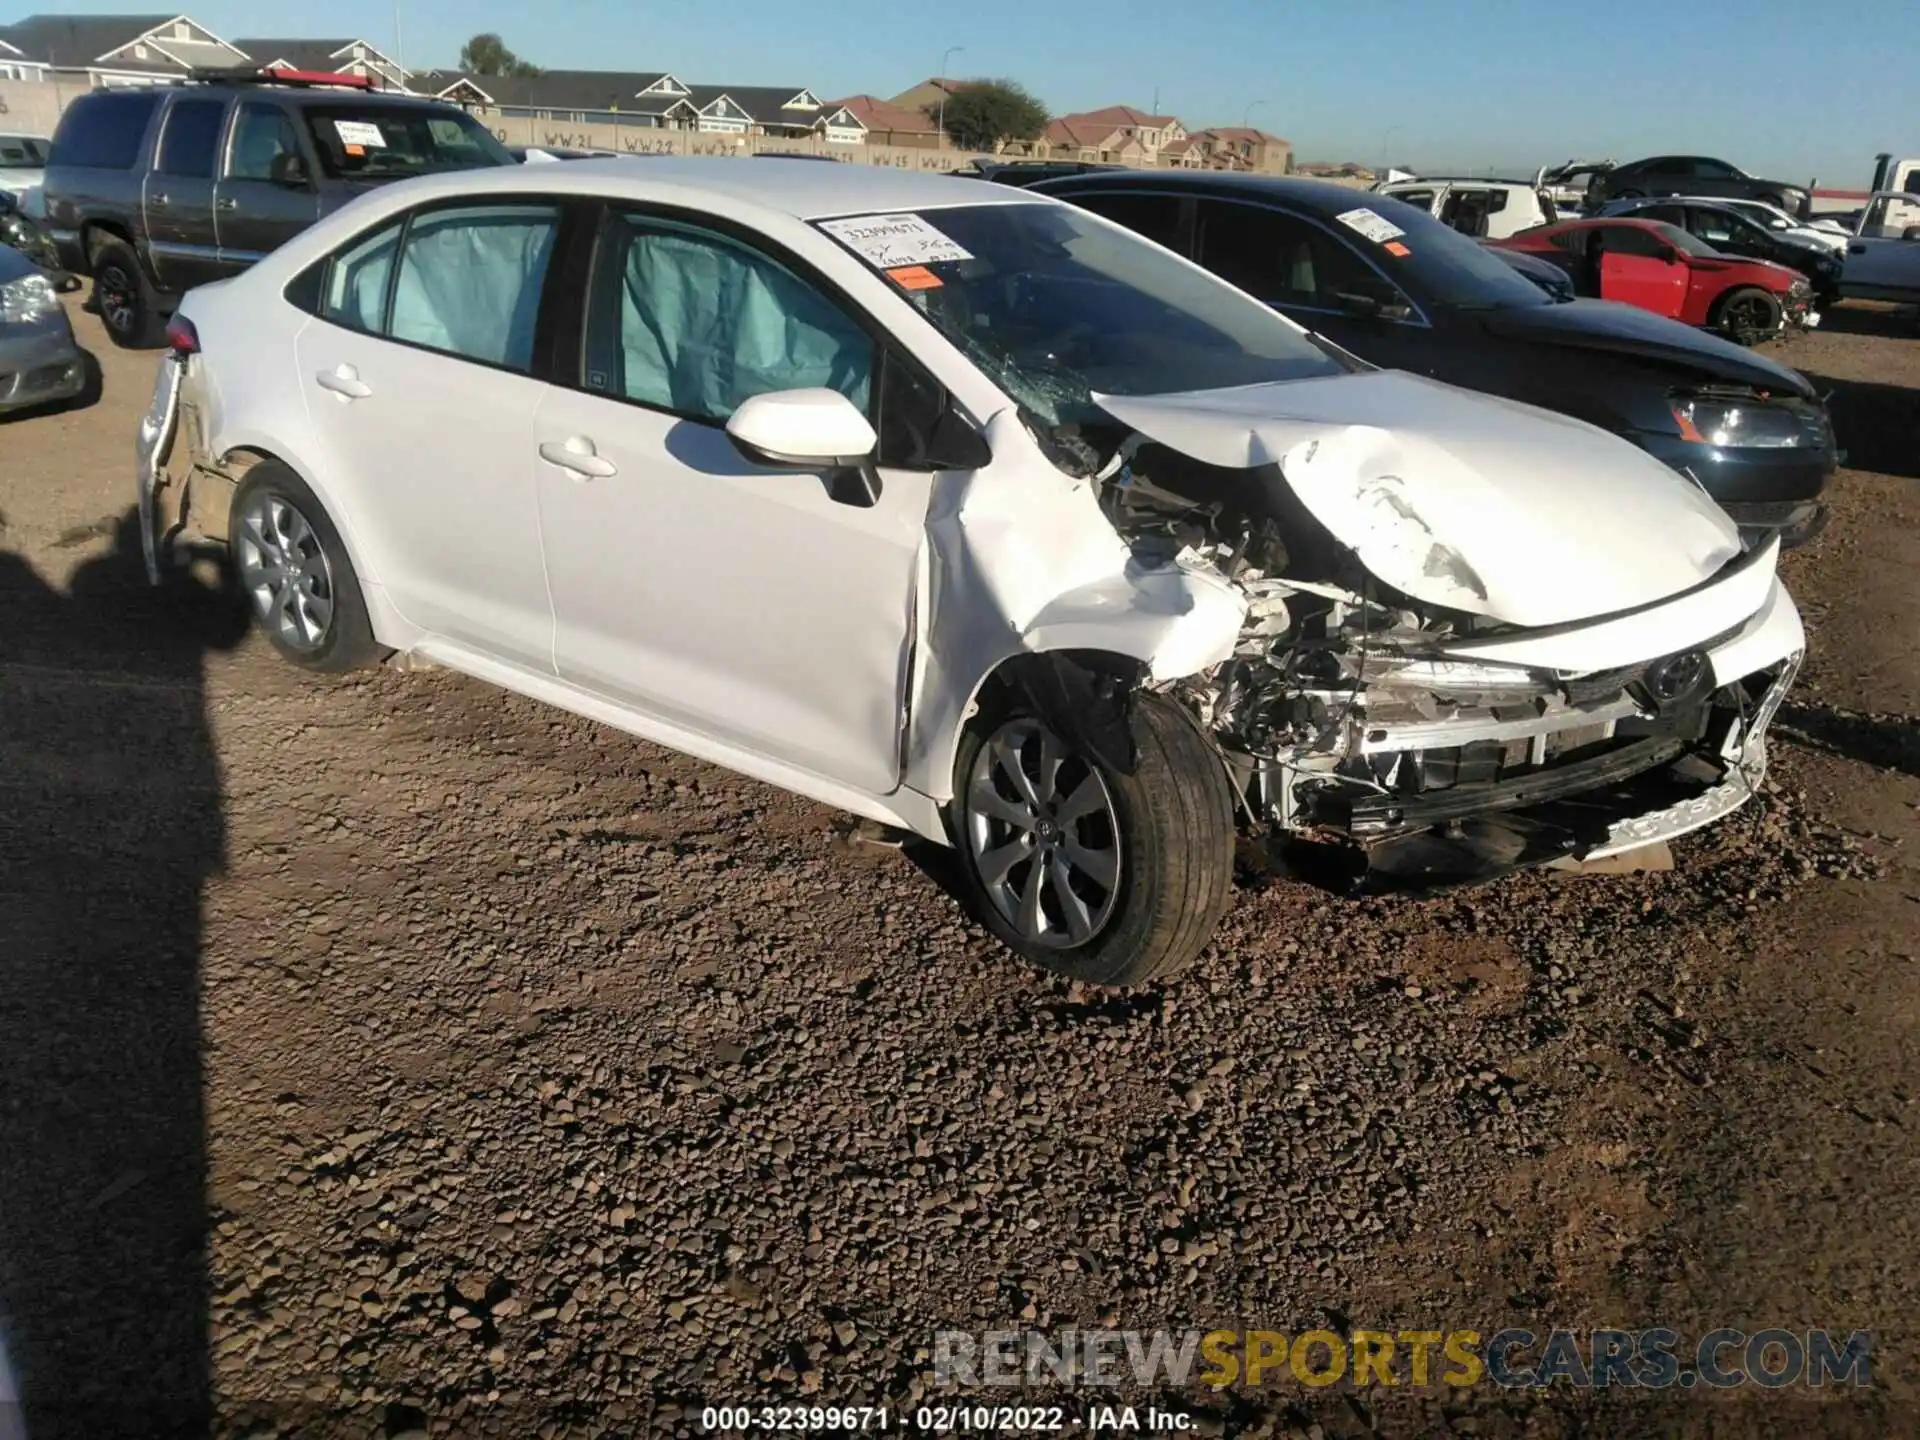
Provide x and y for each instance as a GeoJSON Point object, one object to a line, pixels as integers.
{"type": "Point", "coordinates": [1629, 330]}
{"type": "Point", "coordinates": [1459, 499]}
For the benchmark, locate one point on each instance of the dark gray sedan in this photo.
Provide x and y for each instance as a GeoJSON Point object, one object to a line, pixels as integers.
{"type": "Point", "coordinates": [39, 360]}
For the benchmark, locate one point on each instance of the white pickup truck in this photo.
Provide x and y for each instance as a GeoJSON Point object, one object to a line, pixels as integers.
{"type": "Point", "coordinates": [1883, 253]}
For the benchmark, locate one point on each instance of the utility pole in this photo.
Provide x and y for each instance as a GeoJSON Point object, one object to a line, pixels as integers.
{"type": "Point", "coordinates": [946, 55]}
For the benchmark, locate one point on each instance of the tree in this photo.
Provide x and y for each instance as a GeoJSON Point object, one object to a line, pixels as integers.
{"type": "Point", "coordinates": [985, 114]}
{"type": "Point", "coordinates": [487, 54]}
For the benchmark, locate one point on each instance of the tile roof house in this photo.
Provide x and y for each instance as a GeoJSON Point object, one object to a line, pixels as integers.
{"type": "Point", "coordinates": [1239, 147]}
{"type": "Point", "coordinates": [111, 49]}
{"type": "Point", "coordinates": [1152, 131]}
{"type": "Point", "coordinates": [926, 95]}
{"type": "Point", "coordinates": [886, 123]}
{"type": "Point", "coordinates": [1078, 137]}
{"type": "Point", "coordinates": [336, 57]}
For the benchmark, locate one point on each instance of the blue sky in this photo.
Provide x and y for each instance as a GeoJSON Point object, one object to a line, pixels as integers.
{"type": "Point", "coordinates": [1787, 90]}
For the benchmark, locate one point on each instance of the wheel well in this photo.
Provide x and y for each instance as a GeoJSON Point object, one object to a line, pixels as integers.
{"type": "Point", "coordinates": [1085, 694]}
{"type": "Point", "coordinates": [95, 234]}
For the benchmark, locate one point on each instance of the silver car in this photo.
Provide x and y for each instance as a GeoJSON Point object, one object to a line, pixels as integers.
{"type": "Point", "coordinates": [40, 363]}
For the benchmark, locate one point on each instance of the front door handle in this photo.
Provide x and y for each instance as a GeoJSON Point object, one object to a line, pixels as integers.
{"type": "Point", "coordinates": [229, 203]}
{"type": "Point", "coordinates": [344, 381]}
{"type": "Point", "coordinates": [159, 200]}
{"type": "Point", "coordinates": [1856, 249]}
{"type": "Point", "coordinates": [577, 455]}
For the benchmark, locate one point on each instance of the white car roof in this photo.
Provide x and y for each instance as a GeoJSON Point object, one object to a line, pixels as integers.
{"type": "Point", "coordinates": [803, 189]}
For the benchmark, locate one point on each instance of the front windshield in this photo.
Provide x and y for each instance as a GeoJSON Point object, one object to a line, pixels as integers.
{"type": "Point", "coordinates": [1435, 261]}
{"type": "Point", "coordinates": [388, 141]}
{"type": "Point", "coordinates": [1682, 241]}
{"type": "Point", "coordinates": [1055, 305]}
{"type": "Point", "coordinates": [23, 152]}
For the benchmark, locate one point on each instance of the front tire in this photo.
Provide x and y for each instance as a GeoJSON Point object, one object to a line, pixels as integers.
{"type": "Point", "coordinates": [295, 574]}
{"type": "Point", "coordinates": [1748, 315]}
{"type": "Point", "coordinates": [1107, 878]}
{"type": "Point", "coordinates": [129, 309]}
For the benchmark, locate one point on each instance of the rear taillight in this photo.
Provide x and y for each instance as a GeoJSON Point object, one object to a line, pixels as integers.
{"type": "Point", "coordinates": [182, 338]}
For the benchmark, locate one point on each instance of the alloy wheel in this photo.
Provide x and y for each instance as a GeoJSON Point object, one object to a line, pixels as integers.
{"type": "Point", "coordinates": [284, 571]}
{"type": "Point", "coordinates": [1043, 835]}
{"type": "Point", "coordinates": [114, 290]}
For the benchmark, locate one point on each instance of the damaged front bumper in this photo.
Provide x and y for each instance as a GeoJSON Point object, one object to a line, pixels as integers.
{"type": "Point", "coordinates": [1614, 761]}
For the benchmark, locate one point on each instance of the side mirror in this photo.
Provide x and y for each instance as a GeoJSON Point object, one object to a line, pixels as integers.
{"type": "Point", "coordinates": [1371, 307]}
{"type": "Point", "coordinates": [289, 170]}
{"type": "Point", "coordinates": [814, 429]}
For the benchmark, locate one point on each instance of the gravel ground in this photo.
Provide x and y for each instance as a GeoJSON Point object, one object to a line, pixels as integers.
{"type": "Point", "coordinates": [391, 1055]}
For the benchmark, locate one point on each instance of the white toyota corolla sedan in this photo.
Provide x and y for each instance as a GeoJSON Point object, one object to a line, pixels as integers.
{"type": "Point", "coordinates": [971, 513]}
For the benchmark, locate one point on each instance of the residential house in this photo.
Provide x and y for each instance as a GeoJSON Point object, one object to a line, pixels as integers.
{"type": "Point", "coordinates": [653, 100]}
{"type": "Point", "coordinates": [97, 50]}
{"type": "Point", "coordinates": [926, 96]}
{"type": "Point", "coordinates": [1152, 132]}
{"type": "Point", "coordinates": [886, 123]}
{"type": "Point", "coordinates": [1239, 147]}
{"type": "Point", "coordinates": [1076, 137]}
{"type": "Point", "coordinates": [329, 57]}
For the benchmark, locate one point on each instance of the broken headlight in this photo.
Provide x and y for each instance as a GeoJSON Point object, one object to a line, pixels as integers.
{"type": "Point", "coordinates": [1744, 424]}
{"type": "Point", "coordinates": [27, 299]}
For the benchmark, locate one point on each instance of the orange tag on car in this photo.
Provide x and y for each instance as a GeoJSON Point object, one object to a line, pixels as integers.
{"type": "Point", "coordinates": [915, 277]}
{"type": "Point", "coordinates": [1394, 247]}
{"type": "Point", "coordinates": [356, 149]}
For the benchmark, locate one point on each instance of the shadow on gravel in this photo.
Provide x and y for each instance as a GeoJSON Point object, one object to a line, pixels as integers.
{"type": "Point", "coordinates": [1874, 424]}
{"type": "Point", "coordinates": [1886, 742]}
{"type": "Point", "coordinates": [1872, 318]}
{"type": "Point", "coordinates": [110, 822]}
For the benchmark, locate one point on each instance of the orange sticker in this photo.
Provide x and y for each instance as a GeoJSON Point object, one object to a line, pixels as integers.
{"type": "Point", "coordinates": [915, 277]}
{"type": "Point", "coordinates": [1394, 247]}
{"type": "Point", "coordinates": [356, 149]}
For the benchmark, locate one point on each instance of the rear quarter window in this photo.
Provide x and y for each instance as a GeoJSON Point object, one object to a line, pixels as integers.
{"type": "Point", "coordinates": [104, 131]}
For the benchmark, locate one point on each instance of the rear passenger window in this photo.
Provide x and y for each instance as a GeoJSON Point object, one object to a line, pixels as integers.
{"type": "Point", "coordinates": [470, 281]}
{"type": "Point", "coordinates": [191, 138]}
{"type": "Point", "coordinates": [263, 143]}
{"type": "Point", "coordinates": [104, 131]}
{"type": "Point", "coordinates": [357, 283]}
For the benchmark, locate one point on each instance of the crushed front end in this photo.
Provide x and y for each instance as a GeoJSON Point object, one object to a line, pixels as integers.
{"type": "Point", "coordinates": [1369, 751]}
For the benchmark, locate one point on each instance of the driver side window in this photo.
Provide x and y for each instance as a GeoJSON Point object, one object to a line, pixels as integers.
{"type": "Point", "coordinates": [694, 323]}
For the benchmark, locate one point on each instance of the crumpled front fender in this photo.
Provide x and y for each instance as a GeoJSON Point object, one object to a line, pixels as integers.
{"type": "Point", "coordinates": [1022, 561]}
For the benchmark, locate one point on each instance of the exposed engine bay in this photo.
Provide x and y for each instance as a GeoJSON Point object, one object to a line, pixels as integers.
{"type": "Point", "coordinates": [1352, 733]}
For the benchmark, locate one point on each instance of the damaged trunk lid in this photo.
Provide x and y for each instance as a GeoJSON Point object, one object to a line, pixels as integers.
{"type": "Point", "coordinates": [1457, 499]}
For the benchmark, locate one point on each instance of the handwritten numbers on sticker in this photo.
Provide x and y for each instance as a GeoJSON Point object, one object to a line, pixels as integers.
{"type": "Point", "coordinates": [359, 132]}
{"type": "Point", "coordinates": [1375, 226]}
{"type": "Point", "coordinates": [894, 242]}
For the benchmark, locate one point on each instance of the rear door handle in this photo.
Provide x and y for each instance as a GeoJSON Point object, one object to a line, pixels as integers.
{"type": "Point", "coordinates": [229, 203]}
{"type": "Point", "coordinates": [1856, 249]}
{"type": "Point", "coordinates": [344, 381]}
{"type": "Point", "coordinates": [577, 455]}
{"type": "Point", "coordinates": [159, 200]}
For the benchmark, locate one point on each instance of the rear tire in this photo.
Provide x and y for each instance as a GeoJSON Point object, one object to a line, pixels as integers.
{"type": "Point", "coordinates": [294, 573]}
{"type": "Point", "coordinates": [129, 308]}
{"type": "Point", "coordinates": [1748, 315]}
{"type": "Point", "coordinates": [1107, 878]}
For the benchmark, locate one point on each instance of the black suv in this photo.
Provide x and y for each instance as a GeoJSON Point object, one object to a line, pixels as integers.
{"type": "Point", "coordinates": [154, 191]}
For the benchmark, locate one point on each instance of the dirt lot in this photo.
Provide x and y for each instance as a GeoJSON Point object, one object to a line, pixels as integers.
{"type": "Point", "coordinates": [392, 1054]}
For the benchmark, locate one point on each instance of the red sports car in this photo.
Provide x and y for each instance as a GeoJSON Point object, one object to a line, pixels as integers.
{"type": "Point", "coordinates": [1660, 267]}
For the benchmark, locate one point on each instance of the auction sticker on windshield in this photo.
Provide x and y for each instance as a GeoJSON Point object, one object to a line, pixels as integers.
{"type": "Point", "coordinates": [360, 132]}
{"type": "Point", "coordinates": [892, 242]}
{"type": "Point", "coordinates": [1373, 225]}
